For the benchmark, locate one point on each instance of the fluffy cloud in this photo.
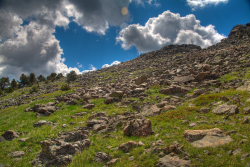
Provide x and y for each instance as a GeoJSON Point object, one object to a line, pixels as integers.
{"type": "Point", "coordinates": [33, 49]}
{"type": "Point", "coordinates": [92, 68]}
{"type": "Point", "coordinates": [27, 40]}
{"type": "Point", "coordinates": [202, 3]}
{"type": "Point", "coordinates": [112, 64]}
{"type": "Point", "coordinates": [99, 15]}
{"type": "Point", "coordinates": [168, 28]}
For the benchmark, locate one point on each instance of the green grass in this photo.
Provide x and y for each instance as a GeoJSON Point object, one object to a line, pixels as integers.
{"type": "Point", "coordinates": [168, 127]}
{"type": "Point", "coordinates": [239, 75]}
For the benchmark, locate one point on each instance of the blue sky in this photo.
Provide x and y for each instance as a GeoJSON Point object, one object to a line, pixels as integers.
{"type": "Point", "coordinates": [88, 49]}
{"type": "Point", "coordinates": [63, 35]}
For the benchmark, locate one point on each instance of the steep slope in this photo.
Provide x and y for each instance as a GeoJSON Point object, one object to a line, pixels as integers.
{"type": "Point", "coordinates": [178, 106]}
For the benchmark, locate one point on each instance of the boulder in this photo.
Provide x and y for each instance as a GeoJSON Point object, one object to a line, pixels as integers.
{"type": "Point", "coordinates": [173, 161]}
{"type": "Point", "coordinates": [138, 127]}
{"type": "Point", "coordinates": [226, 109]}
{"type": "Point", "coordinates": [10, 135]}
{"type": "Point", "coordinates": [207, 138]}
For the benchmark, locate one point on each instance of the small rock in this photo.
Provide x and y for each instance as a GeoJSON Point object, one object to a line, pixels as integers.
{"type": "Point", "coordinates": [246, 120]}
{"type": "Point", "coordinates": [80, 114]}
{"type": "Point", "coordinates": [140, 80]}
{"type": "Point", "coordinates": [244, 156]}
{"type": "Point", "coordinates": [10, 135]}
{"type": "Point", "coordinates": [173, 161]}
{"type": "Point", "coordinates": [17, 154]}
{"type": "Point", "coordinates": [89, 106]}
{"type": "Point", "coordinates": [23, 139]}
{"type": "Point", "coordinates": [64, 125]}
{"type": "Point", "coordinates": [184, 79]}
{"type": "Point", "coordinates": [117, 94]}
{"type": "Point", "coordinates": [113, 161]}
{"type": "Point", "coordinates": [192, 124]}
{"type": "Point", "coordinates": [172, 90]}
{"type": "Point", "coordinates": [110, 100]}
{"type": "Point", "coordinates": [127, 147]}
{"type": "Point", "coordinates": [237, 151]}
{"type": "Point", "coordinates": [247, 109]}
{"type": "Point", "coordinates": [131, 158]}
{"type": "Point", "coordinates": [41, 123]}
{"type": "Point", "coordinates": [243, 141]}
{"type": "Point", "coordinates": [204, 110]}
{"type": "Point", "coordinates": [102, 157]}
{"type": "Point", "coordinates": [2, 139]}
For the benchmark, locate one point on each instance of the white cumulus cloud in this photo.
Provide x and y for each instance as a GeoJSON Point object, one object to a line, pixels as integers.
{"type": "Point", "coordinates": [27, 40]}
{"type": "Point", "coordinates": [168, 28]}
{"type": "Point", "coordinates": [112, 64]}
{"type": "Point", "coordinates": [202, 3]}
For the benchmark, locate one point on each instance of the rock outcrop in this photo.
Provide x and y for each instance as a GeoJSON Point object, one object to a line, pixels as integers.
{"type": "Point", "coordinates": [207, 138]}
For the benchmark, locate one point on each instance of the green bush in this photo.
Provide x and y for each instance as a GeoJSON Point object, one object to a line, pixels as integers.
{"type": "Point", "coordinates": [9, 90]}
{"type": "Point", "coordinates": [1, 92]}
{"type": "Point", "coordinates": [65, 87]}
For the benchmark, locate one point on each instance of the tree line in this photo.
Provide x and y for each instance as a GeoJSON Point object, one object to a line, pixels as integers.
{"type": "Point", "coordinates": [7, 86]}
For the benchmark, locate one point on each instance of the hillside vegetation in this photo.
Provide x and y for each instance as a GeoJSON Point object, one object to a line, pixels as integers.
{"type": "Point", "coordinates": [178, 106]}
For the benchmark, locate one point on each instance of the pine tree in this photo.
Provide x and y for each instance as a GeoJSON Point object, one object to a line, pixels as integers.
{"type": "Point", "coordinates": [72, 76]}
{"type": "Point", "coordinates": [32, 78]}
{"type": "Point", "coordinates": [41, 78]}
{"type": "Point", "coordinates": [24, 80]}
{"type": "Point", "coordinates": [14, 84]}
{"type": "Point", "coordinates": [4, 82]}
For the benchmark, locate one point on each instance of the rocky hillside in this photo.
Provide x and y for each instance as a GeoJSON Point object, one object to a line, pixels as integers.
{"type": "Point", "coordinates": [178, 106]}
